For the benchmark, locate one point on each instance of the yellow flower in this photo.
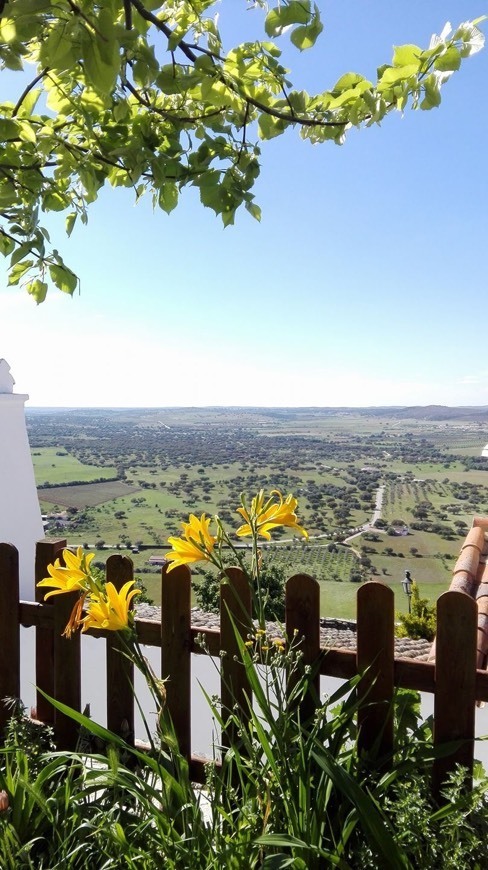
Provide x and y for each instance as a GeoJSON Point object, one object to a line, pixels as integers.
{"type": "Point", "coordinates": [70, 578]}
{"type": "Point", "coordinates": [195, 545]}
{"type": "Point", "coordinates": [271, 514]}
{"type": "Point", "coordinates": [110, 610]}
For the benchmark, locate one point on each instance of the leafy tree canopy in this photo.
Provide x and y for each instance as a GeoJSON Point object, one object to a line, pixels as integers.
{"type": "Point", "coordinates": [143, 94]}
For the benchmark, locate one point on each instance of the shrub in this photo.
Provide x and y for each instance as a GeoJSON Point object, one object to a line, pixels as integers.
{"type": "Point", "coordinates": [421, 621]}
{"type": "Point", "coordinates": [273, 579]}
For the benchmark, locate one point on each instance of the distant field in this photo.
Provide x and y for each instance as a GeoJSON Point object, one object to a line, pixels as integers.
{"type": "Point", "coordinates": [86, 495]}
{"type": "Point", "coordinates": [178, 461]}
{"type": "Point", "coordinates": [55, 465]}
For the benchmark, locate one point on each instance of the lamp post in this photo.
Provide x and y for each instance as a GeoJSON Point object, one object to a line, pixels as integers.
{"type": "Point", "coordinates": [407, 583]}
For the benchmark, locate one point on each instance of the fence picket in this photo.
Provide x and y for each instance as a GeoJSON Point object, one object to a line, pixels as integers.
{"type": "Point", "coordinates": [455, 683]}
{"type": "Point", "coordinates": [375, 661]}
{"type": "Point", "coordinates": [235, 618]}
{"type": "Point", "coordinates": [302, 601]}
{"type": "Point", "coordinates": [176, 650]}
{"type": "Point", "coordinates": [67, 671]}
{"type": "Point", "coordinates": [9, 629]}
{"type": "Point", "coordinates": [46, 553]}
{"type": "Point", "coordinates": [120, 670]}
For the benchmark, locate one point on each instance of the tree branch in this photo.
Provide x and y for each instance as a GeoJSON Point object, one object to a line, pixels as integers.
{"type": "Point", "coordinates": [163, 28]}
{"type": "Point", "coordinates": [167, 116]}
{"type": "Point", "coordinates": [128, 14]}
{"type": "Point", "coordinates": [28, 89]}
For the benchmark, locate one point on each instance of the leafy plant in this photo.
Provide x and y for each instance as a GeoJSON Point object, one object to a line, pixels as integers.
{"type": "Point", "coordinates": [273, 579]}
{"type": "Point", "coordinates": [421, 621]}
{"type": "Point", "coordinates": [288, 787]}
{"type": "Point", "coordinates": [144, 95]}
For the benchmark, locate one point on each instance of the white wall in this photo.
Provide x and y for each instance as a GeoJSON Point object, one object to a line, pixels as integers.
{"type": "Point", "coordinates": [20, 515]}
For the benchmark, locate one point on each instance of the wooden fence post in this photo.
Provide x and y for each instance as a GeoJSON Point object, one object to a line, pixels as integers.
{"type": "Point", "coordinates": [455, 683]}
{"type": "Point", "coordinates": [9, 629]}
{"type": "Point", "coordinates": [302, 597]}
{"type": "Point", "coordinates": [46, 553]}
{"type": "Point", "coordinates": [120, 670]}
{"type": "Point", "coordinates": [375, 660]}
{"type": "Point", "coordinates": [235, 616]}
{"type": "Point", "coordinates": [176, 650]}
{"type": "Point", "coordinates": [67, 671]}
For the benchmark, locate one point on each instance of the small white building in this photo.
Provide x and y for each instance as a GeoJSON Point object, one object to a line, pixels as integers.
{"type": "Point", "coordinates": [484, 452]}
{"type": "Point", "coordinates": [20, 515]}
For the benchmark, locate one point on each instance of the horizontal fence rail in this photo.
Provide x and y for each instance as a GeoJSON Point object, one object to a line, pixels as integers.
{"type": "Point", "coordinates": [453, 678]}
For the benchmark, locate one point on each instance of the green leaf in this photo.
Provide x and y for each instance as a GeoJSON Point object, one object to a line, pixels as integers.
{"type": "Point", "coordinates": [295, 12]}
{"type": "Point", "coordinates": [168, 197]}
{"type": "Point", "coordinates": [6, 245]}
{"type": "Point", "coordinates": [347, 81]}
{"type": "Point", "coordinates": [374, 825]}
{"type": "Point", "coordinates": [63, 278]}
{"type": "Point", "coordinates": [54, 201]}
{"type": "Point", "coordinates": [29, 103]}
{"type": "Point", "coordinates": [100, 72]}
{"type": "Point", "coordinates": [37, 289]}
{"type": "Point", "coordinates": [121, 110]}
{"type": "Point", "coordinates": [57, 51]}
{"type": "Point", "coordinates": [406, 54]}
{"type": "Point", "coordinates": [432, 91]}
{"type": "Point", "coordinates": [70, 222]}
{"type": "Point", "coordinates": [27, 132]}
{"type": "Point", "coordinates": [392, 75]}
{"type": "Point", "coordinates": [270, 127]}
{"type": "Point", "coordinates": [8, 30]}
{"type": "Point", "coordinates": [20, 253]}
{"type": "Point", "coordinates": [9, 129]}
{"type": "Point", "coordinates": [18, 271]}
{"type": "Point", "coordinates": [449, 61]}
{"type": "Point", "coordinates": [253, 210]}
{"type": "Point", "coordinates": [306, 37]}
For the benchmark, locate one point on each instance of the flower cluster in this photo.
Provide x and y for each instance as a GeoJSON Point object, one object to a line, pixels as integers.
{"type": "Point", "coordinates": [262, 642]}
{"type": "Point", "coordinates": [100, 605]}
{"type": "Point", "coordinates": [197, 544]}
{"type": "Point", "coordinates": [266, 514]}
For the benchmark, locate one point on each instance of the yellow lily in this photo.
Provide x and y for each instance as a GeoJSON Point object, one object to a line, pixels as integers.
{"type": "Point", "coordinates": [195, 545]}
{"type": "Point", "coordinates": [110, 611]}
{"type": "Point", "coordinates": [71, 577]}
{"type": "Point", "coordinates": [271, 514]}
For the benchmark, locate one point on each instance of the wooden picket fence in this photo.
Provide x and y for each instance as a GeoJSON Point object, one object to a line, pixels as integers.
{"type": "Point", "coordinates": [453, 679]}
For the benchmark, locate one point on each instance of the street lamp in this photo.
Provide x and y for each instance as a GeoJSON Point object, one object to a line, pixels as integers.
{"type": "Point", "coordinates": [407, 583]}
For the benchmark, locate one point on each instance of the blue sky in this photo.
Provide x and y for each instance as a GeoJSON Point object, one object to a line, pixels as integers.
{"type": "Point", "coordinates": [364, 284]}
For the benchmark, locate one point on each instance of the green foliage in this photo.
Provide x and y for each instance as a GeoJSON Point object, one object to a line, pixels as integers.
{"type": "Point", "coordinates": [272, 578]}
{"type": "Point", "coordinates": [289, 793]}
{"type": "Point", "coordinates": [421, 621]}
{"type": "Point", "coordinates": [144, 95]}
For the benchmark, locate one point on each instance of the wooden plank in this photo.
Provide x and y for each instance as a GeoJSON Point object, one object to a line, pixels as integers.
{"type": "Point", "coordinates": [67, 671]}
{"type": "Point", "coordinates": [455, 677]}
{"type": "Point", "coordinates": [9, 629]}
{"type": "Point", "coordinates": [120, 670]}
{"type": "Point", "coordinates": [46, 553]}
{"type": "Point", "coordinates": [416, 675]}
{"type": "Point", "coordinates": [302, 602]}
{"type": "Point", "coordinates": [175, 650]}
{"type": "Point", "coordinates": [235, 619]}
{"type": "Point", "coordinates": [375, 661]}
